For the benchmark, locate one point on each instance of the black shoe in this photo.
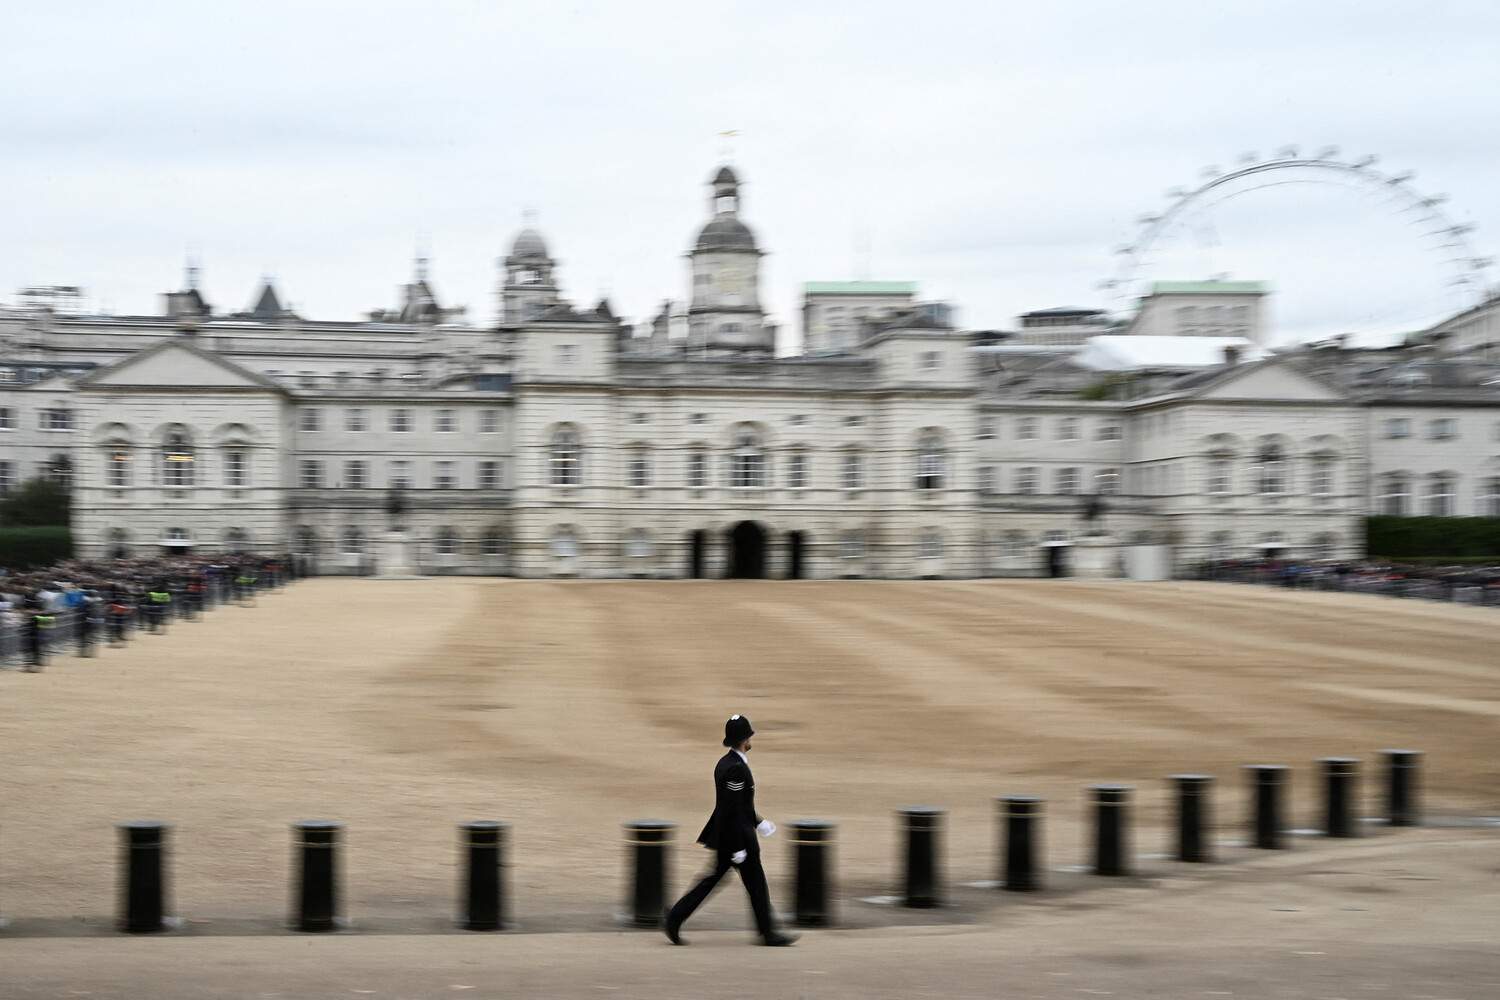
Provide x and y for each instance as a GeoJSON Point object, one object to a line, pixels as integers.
{"type": "Point", "coordinates": [672, 930]}
{"type": "Point", "coordinates": [778, 940]}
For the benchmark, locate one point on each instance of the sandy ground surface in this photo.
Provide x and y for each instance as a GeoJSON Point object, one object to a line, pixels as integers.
{"type": "Point", "coordinates": [403, 708]}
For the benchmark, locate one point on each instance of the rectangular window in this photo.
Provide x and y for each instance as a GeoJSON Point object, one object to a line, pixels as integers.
{"type": "Point", "coordinates": [1109, 431]}
{"type": "Point", "coordinates": [236, 470]}
{"type": "Point", "coordinates": [57, 419]}
{"type": "Point", "coordinates": [1489, 498]}
{"type": "Point", "coordinates": [798, 419]}
{"type": "Point", "coordinates": [640, 418]}
{"type": "Point", "coordinates": [986, 429]}
{"type": "Point", "coordinates": [1067, 429]}
{"type": "Point", "coordinates": [354, 420]}
{"type": "Point", "coordinates": [854, 421]}
{"type": "Point", "coordinates": [489, 475]}
{"type": "Point", "coordinates": [697, 470]}
{"type": "Point", "coordinates": [565, 354]}
{"type": "Point", "coordinates": [355, 477]}
{"type": "Point", "coordinates": [852, 545]}
{"type": "Point", "coordinates": [489, 421]}
{"type": "Point", "coordinates": [444, 422]}
{"type": "Point", "coordinates": [7, 419]}
{"type": "Point", "coordinates": [7, 477]}
{"type": "Point", "coordinates": [854, 472]}
{"type": "Point", "coordinates": [444, 476]}
{"type": "Point", "coordinates": [1107, 482]}
{"type": "Point", "coordinates": [747, 468]}
{"type": "Point", "coordinates": [986, 479]}
{"type": "Point", "coordinates": [1442, 430]}
{"type": "Point", "coordinates": [698, 418]}
{"type": "Point", "coordinates": [929, 361]}
{"type": "Point", "coordinates": [310, 474]}
{"type": "Point", "coordinates": [1026, 479]}
{"type": "Point", "coordinates": [796, 472]}
{"type": "Point", "coordinates": [400, 474]}
{"type": "Point", "coordinates": [1396, 427]}
{"type": "Point", "coordinates": [1067, 480]}
{"type": "Point", "coordinates": [401, 421]}
{"type": "Point", "coordinates": [1026, 429]}
{"type": "Point", "coordinates": [309, 418]}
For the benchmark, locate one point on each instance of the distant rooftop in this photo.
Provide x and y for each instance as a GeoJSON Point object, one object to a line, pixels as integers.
{"type": "Point", "coordinates": [1209, 287]}
{"type": "Point", "coordinates": [860, 287]}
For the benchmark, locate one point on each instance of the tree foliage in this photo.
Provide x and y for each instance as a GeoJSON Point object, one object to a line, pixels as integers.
{"type": "Point", "coordinates": [37, 503]}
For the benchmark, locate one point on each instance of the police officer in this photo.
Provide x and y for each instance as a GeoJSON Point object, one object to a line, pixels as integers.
{"type": "Point", "coordinates": [159, 603]}
{"type": "Point", "coordinates": [731, 834]}
{"type": "Point", "coordinates": [37, 634]}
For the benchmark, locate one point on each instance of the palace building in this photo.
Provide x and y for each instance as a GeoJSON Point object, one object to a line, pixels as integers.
{"type": "Point", "coordinates": [560, 440]}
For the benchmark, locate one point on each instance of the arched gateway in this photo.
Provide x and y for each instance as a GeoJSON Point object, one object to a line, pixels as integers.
{"type": "Point", "coordinates": [746, 543]}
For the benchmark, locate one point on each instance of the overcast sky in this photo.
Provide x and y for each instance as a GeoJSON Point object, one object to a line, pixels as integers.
{"type": "Point", "coordinates": [996, 152]}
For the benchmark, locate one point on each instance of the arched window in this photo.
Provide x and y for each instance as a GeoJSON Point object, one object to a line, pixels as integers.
{"type": "Point", "coordinates": [565, 460]}
{"type": "Point", "coordinates": [1489, 497]}
{"type": "Point", "coordinates": [60, 470]}
{"type": "Point", "coordinates": [306, 541]}
{"type": "Point", "coordinates": [639, 470]}
{"type": "Point", "coordinates": [1440, 491]}
{"type": "Point", "coordinates": [564, 543]}
{"type": "Point", "coordinates": [697, 470]}
{"type": "Point", "coordinates": [638, 545]}
{"type": "Point", "coordinates": [118, 460]}
{"type": "Point", "coordinates": [1325, 547]}
{"type": "Point", "coordinates": [929, 462]}
{"type": "Point", "coordinates": [747, 462]}
{"type": "Point", "coordinates": [447, 542]}
{"type": "Point", "coordinates": [235, 540]}
{"type": "Point", "coordinates": [1395, 495]}
{"type": "Point", "coordinates": [177, 459]}
{"type": "Point", "coordinates": [493, 542]}
{"type": "Point", "coordinates": [929, 545]}
{"type": "Point", "coordinates": [1220, 545]}
{"type": "Point", "coordinates": [354, 541]}
{"type": "Point", "coordinates": [1272, 469]}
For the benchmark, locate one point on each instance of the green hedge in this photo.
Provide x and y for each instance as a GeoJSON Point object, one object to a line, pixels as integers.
{"type": "Point", "coordinates": [1432, 537]}
{"type": "Point", "coordinates": [30, 548]}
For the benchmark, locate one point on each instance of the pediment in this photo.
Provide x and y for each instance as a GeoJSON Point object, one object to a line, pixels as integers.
{"type": "Point", "coordinates": [1270, 381]}
{"type": "Point", "coordinates": [177, 364]}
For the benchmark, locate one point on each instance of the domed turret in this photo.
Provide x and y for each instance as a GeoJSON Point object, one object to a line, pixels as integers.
{"type": "Point", "coordinates": [725, 313]}
{"type": "Point", "coordinates": [528, 287]}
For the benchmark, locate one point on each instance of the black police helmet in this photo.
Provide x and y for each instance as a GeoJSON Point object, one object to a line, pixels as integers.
{"type": "Point", "coordinates": [737, 730]}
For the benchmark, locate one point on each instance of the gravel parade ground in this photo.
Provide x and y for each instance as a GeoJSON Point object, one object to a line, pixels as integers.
{"type": "Point", "coordinates": [403, 708]}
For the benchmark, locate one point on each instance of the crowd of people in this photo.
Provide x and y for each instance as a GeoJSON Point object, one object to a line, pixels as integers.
{"type": "Point", "coordinates": [1470, 584]}
{"type": "Point", "coordinates": [81, 602]}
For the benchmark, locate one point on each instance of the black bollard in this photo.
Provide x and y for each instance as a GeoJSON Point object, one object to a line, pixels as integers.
{"type": "Point", "coordinates": [1022, 817]}
{"type": "Point", "coordinates": [922, 826]}
{"type": "Point", "coordinates": [1339, 777]}
{"type": "Point", "coordinates": [1267, 781]}
{"type": "Point", "coordinates": [650, 839]}
{"type": "Point", "coordinates": [1401, 792]}
{"type": "Point", "coordinates": [483, 904]}
{"type": "Point", "coordinates": [317, 887]}
{"type": "Point", "coordinates": [1110, 842]}
{"type": "Point", "coordinates": [143, 899]}
{"type": "Point", "coordinates": [813, 839]}
{"type": "Point", "coordinates": [1192, 816]}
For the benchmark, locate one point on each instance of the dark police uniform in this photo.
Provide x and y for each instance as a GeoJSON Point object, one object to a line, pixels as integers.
{"type": "Point", "coordinates": [730, 830]}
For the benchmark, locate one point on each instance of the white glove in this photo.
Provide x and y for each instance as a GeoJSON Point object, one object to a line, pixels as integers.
{"type": "Point", "coordinates": [737, 858]}
{"type": "Point", "coordinates": [766, 828]}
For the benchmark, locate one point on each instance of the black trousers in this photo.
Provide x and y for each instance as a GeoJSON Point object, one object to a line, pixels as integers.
{"type": "Point", "coordinates": [754, 877]}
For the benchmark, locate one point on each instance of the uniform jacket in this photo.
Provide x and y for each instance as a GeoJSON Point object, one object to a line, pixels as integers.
{"type": "Point", "coordinates": [732, 826]}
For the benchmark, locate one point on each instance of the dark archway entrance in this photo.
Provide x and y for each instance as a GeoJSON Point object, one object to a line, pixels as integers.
{"type": "Point", "coordinates": [1055, 565]}
{"type": "Point", "coordinates": [747, 551]}
{"type": "Point", "coordinates": [697, 547]}
{"type": "Point", "coordinates": [796, 544]}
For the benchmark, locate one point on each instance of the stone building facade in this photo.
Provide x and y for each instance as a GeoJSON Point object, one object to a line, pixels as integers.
{"type": "Point", "coordinates": [561, 441]}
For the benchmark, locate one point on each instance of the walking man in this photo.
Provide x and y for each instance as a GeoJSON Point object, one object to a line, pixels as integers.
{"type": "Point", "coordinates": [730, 834]}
